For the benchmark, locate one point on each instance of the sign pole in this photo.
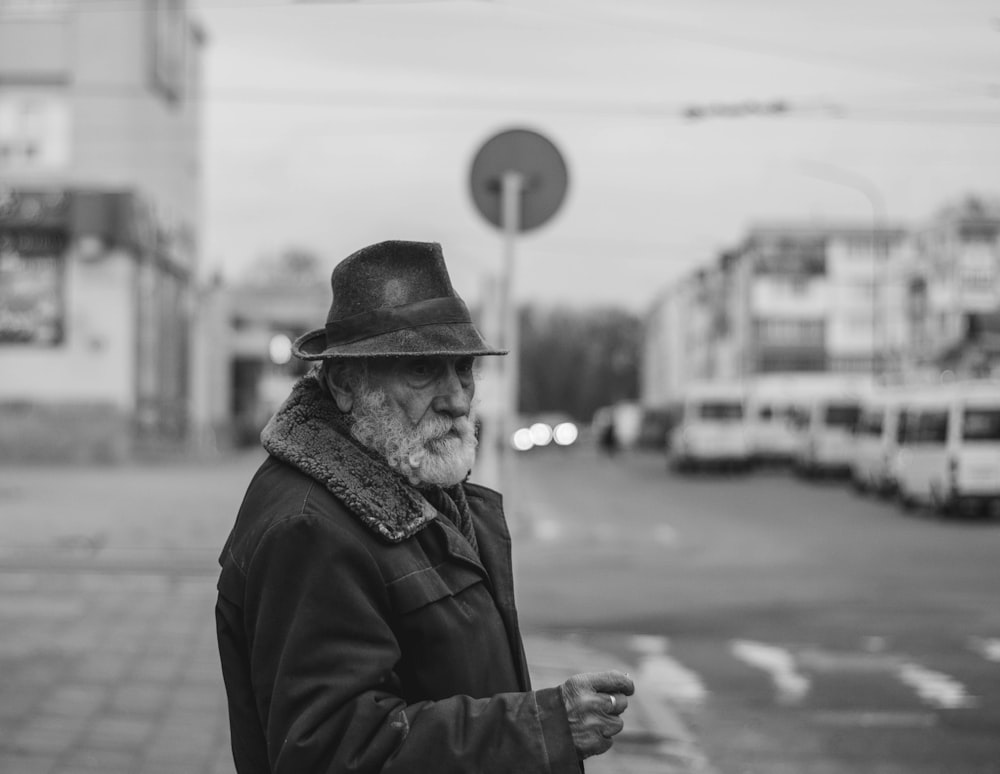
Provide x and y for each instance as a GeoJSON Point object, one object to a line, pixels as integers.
{"type": "Point", "coordinates": [517, 181]}
{"type": "Point", "coordinates": [511, 187]}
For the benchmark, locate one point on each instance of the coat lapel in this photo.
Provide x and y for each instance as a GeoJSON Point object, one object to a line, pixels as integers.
{"type": "Point", "coordinates": [495, 555]}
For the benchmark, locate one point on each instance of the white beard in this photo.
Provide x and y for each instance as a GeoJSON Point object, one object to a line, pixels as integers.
{"type": "Point", "coordinates": [439, 451]}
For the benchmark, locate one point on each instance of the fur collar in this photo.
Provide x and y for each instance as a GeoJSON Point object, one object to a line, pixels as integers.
{"type": "Point", "coordinates": [310, 433]}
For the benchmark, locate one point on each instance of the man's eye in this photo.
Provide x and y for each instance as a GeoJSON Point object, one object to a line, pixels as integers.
{"type": "Point", "coordinates": [465, 365]}
{"type": "Point", "coordinates": [421, 368]}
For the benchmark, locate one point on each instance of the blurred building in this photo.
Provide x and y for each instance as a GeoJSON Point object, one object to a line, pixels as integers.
{"type": "Point", "coordinates": [789, 298]}
{"type": "Point", "coordinates": [954, 293]}
{"type": "Point", "coordinates": [99, 222]}
{"type": "Point", "coordinates": [684, 336]}
{"type": "Point", "coordinates": [253, 362]}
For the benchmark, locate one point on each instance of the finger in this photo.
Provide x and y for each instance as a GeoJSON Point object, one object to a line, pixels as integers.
{"type": "Point", "coordinates": [598, 741]}
{"type": "Point", "coordinates": [612, 727]}
{"type": "Point", "coordinates": [619, 703]}
{"type": "Point", "coordinates": [612, 681]}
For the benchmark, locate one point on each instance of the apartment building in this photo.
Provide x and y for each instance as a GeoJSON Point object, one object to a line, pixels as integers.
{"type": "Point", "coordinates": [789, 298]}
{"type": "Point", "coordinates": [99, 223]}
{"type": "Point", "coordinates": [954, 294]}
{"type": "Point", "coordinates": [678, 337]}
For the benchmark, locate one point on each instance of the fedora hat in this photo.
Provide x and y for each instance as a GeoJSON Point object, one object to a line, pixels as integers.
{"type": "Point", "coordinates": [394, 299]}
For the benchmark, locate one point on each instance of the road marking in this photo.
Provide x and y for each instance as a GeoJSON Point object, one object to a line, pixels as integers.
{"type": "Point", "coordinates": [875, 643]}
{"type": "Point", "coordinates": [663, 675]}
{"type": "Point", "coordinates": [817, 660]}
{"type": "Point", "coordinates": [988, 648]}
{"type": "Point", "coordinates": [791, 686]}
{"type": "Point", "coordinates": [936, 688]}
{"type": "Point", "coordinates": [871, 719]}
{"type": "Point", "coordinates": [665, 535]}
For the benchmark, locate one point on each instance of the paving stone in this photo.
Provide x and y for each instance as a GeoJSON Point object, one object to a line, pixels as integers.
{"type": "Point", "coordinates": [74, 699]}
{"type": "Point", "coordinates": [119, 732]}
{"type": "Point", "coordinates": [166, 670]}
{"type": "Point", "coordinates": [27, 764]}
{"type": "Point", "coordinates": [102, 668]}
{"type": "Point", "coordinates": [87, 760]}
{"type": "Point", "coordinates": [48, 734]}
{"type": "Point", "coordinates": [140, 697]}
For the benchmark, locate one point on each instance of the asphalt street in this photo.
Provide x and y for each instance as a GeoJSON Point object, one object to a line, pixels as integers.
{"type": "Point", "coordinates": [798, 626]}
{"type": "Point", "coordinates": [772, 625]}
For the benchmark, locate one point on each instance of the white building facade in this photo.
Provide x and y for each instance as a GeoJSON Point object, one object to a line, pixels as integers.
{"type": "Point", "coordinates": [99, 220]}
{"type": "Point", "coordinates": [791, 298]}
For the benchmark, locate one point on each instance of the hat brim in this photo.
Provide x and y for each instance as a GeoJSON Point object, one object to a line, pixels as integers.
{"type": "Point", "coordinates": [442, 339]}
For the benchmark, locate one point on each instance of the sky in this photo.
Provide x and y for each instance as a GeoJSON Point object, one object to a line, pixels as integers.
{"type": "Point", "coordinates": [332, 125]}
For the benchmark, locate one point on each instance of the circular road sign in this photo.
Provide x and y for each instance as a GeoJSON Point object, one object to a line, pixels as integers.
{"type": "Point", "coordinates": [539, 163]}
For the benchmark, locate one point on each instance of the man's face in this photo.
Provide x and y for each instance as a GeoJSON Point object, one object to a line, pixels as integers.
{"type": "Point", "coordinates": [422, 387]}
{"type": "Point", "coordinates": [417, 412]}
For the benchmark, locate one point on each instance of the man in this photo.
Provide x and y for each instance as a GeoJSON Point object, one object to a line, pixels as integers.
{"type": "Point", "coordinates": [366, 616]}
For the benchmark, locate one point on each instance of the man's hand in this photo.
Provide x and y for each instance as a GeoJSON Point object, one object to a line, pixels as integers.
{"type": "Point", "coordinates": [594, 701]}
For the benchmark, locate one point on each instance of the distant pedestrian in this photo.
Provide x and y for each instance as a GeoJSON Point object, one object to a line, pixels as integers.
{"type": "Point", "coordinates": [608, 439]}
{"type": "Point", "coordinates": [366, 616]}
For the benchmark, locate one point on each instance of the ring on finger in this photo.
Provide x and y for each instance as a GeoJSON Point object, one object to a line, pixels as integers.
{"type": "Point", "coordinates": [614, 702]}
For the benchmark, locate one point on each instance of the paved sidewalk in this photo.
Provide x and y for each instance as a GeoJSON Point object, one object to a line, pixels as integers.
{"type": "Point", "coordinates": [108, 660]}
{"type": "Point", "coordinates": [118, 674]}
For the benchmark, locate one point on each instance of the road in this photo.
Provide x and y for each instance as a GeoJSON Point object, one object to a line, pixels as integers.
{"type": "Point", "coordinates": [796, 626]}
{"type": "Point", "coordinates": [800, 627]}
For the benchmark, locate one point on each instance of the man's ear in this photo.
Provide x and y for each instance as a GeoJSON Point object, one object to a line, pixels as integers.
{"type": "Point", "coordinates": [343, 394]}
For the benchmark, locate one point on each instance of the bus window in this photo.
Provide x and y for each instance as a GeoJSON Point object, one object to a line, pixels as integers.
{"type": "Point", "coordinates": [981, 425]}
{"type": "Point", "coordinates": [841, 415]}
{"type": "Point", "coordinates": [932, 427]}
{"type": "Point", "coordinates": [721, 410]}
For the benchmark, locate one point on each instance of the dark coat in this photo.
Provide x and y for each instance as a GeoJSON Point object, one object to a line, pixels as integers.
{"type": "Point", "coordinates": [358, 629]}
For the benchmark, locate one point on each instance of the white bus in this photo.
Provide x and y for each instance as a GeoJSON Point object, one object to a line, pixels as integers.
{"type": "Point", "coordinates": [874, 443]}
{"type": "Point", "coordinates": [711, 428]}
{"type": "Point", "coordinates": [770, 414]}
{"type": "Point", "coordinates": [949, 457]}
{"type": "Point", "coordinates": [825, 415]}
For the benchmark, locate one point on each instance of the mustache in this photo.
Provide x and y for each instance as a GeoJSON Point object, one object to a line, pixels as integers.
{"type": "Point", "coordinates": [437, 427]}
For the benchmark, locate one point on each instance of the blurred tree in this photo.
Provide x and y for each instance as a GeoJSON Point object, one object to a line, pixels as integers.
{"type": "Point", "coordinates": [577, 360]}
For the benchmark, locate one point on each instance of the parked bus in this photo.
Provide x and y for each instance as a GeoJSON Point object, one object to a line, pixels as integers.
{"type": "Point", "coordinates": [770, 414]}
{"type": "Point", "coordinates": [950, 451]}
{"type": "Point", "coordinates": [711, 428]}
{"type": "Point", "coordinates": [825, 414]}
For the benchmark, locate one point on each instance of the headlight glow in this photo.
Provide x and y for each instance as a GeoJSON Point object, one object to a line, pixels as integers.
{"type": "Point", "coordinates": [565, 433]}
{"type": "Point", "coordinates": [541, 434]}
{"type": "Point", "coordinates": [521, 439]}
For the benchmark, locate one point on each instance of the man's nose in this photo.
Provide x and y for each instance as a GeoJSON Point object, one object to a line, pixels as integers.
{"type": "Point", "coordinates": [454, 396]}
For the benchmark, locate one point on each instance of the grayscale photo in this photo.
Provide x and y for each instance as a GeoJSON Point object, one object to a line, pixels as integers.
{"type": "Point", "coordinates": [499, 387]}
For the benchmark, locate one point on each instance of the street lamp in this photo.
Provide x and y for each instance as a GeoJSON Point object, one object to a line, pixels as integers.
{"type": "Point", "coordinates": [845, 177]}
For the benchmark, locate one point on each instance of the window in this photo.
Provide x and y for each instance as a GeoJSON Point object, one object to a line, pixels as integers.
{"type": "Point", "coordinates": [981, 425]}
{"type": "Point", "coordinates": [721, 410]}
{"type": "Point", "coordinates": [871, 423]}
{"type": "Point", "coordinates": [841, 415]}
{"type": "Point", "coordinates": [932, 427]}
{"type": "Point", "coordinates": [32, 307]}
{"type": "Point", "coordinates": [792, 332]}
{"type": "Point", "coordinates": [34, 130]}
{"type": "Point", "coordinates": [168, 49]}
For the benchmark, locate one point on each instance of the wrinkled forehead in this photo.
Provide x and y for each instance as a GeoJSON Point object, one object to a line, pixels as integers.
{"type": "Point", "coordinates": [395, 365]}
